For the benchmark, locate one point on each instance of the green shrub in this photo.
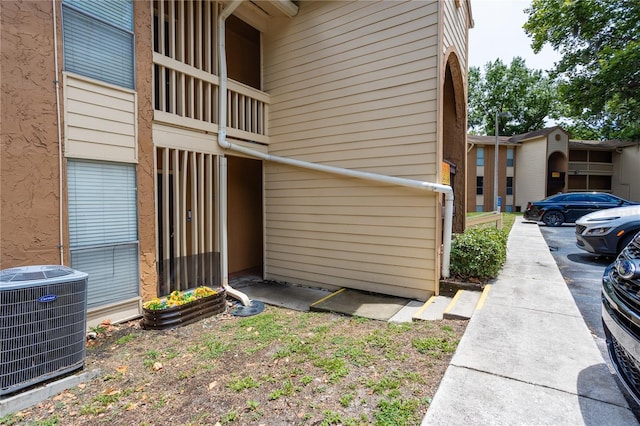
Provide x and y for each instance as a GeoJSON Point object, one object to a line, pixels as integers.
{"type": "Point", "coordinates": [478, 253]}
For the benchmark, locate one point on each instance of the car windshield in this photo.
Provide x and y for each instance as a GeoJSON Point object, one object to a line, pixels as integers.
{"type": "Point", "coordinates": [604, 198]}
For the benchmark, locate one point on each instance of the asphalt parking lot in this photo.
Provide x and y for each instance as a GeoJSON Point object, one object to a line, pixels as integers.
{"type": "Point", "coordinates": [582, 271]}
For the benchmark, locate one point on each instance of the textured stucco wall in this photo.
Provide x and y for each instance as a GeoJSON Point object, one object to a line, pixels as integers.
{"type": "Point", "coordinates": [146, 170]}
{"type": "Point", "coordinates": [29, 219]}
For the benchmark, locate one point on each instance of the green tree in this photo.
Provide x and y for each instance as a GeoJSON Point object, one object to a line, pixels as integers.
{"type": "Point", "coordinates": [599, 72]}
{"type": "Point", "coordinates": [528, 95]}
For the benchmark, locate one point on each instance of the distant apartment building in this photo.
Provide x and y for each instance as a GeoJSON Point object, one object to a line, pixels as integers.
{"type": "Point", "coordinates": [535, 165]}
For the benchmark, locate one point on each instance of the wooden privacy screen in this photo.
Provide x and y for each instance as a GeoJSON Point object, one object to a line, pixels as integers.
{"type": "Point", "coordinates": [186, 220]}
{"type": "Point", "coordinates": [185, 74]}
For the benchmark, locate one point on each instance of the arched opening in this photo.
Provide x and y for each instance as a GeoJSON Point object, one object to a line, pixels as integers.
{"type": "Point", "coordinates": [556, 173]}
{"type": "Point", "coordinates": [454, 152]}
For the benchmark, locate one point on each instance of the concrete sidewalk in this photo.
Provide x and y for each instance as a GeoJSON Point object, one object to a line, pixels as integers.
{"type": "Point", "coordinates": [527, 357]}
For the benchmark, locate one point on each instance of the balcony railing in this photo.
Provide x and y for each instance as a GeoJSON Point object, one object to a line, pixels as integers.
{"type": "Point", "coordinates": [590, 168]}
{"type": "Point", "coordinates": [188, 97]}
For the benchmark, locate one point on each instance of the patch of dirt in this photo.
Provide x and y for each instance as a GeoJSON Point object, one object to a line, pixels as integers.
{"type": "Point", "coordinates": [449, 286]}
{"type": "Point", "coordinates": [279, 367]}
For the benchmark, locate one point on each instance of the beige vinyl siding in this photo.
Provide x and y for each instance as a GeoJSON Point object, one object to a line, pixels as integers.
{"type": "Point", "coordinates": [531, 164]}
{"type": "Point", "coordinates": [561, 144]}
{"type": "Point", "coordinates": [625, 181]}
{"type": "Point", "coordinates": [100, 120]}
{"type": "Point", "coordinates": [327, 231]}
{"type": "Point", "coordinates": [455, 29]}
{"type": "Point", "coordinates": [353, 85]}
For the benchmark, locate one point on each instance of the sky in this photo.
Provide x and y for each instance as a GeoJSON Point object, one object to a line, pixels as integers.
{"type": "Point", "coordinates": [498, 33]}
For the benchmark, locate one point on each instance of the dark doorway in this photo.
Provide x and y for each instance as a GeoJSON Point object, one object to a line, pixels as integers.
{"type": "Point", "coordinates": [245, 217]}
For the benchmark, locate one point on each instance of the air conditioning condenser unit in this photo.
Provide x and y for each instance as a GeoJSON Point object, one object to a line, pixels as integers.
{"type": "Point", "coordinates": [43, 311]}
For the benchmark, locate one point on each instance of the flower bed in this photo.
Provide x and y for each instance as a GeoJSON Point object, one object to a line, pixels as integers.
{"type": "Point", "coordinates": [182, 308]}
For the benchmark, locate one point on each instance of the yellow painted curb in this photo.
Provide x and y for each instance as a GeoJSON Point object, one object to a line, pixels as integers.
{"type": "Point", "coordinates": [328, 296]}
{"type": "Point", "coordinates": [483, 297]}
{"type": "Point", "coordinates": [453, 301]}
{"type": "Point", "coordinates": [419, 312]}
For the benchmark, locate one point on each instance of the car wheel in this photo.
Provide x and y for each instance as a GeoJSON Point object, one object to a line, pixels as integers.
{"type": "Point", "coordinates": [624, 241]}
{"type": "Point", "coordinates": [553, 218]}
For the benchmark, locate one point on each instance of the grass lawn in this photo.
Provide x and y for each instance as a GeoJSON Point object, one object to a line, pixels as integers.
{"type": "Point", "coordinates": [507, 219]}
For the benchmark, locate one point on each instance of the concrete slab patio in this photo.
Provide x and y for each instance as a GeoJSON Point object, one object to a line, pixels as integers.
{"type": "Point", "coordinates": [280, 294]}
{"type": "Point", "coordinates": [363, 304]}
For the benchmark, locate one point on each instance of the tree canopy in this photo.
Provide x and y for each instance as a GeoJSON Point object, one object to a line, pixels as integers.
{"type": "Point", "coordinates": [527, 95]}
{"type": "Point", "coordinates": [599, 72]}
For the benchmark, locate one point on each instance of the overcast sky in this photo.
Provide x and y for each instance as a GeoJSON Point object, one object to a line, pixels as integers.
{"type": "Point", "coordinates": [498, 33]}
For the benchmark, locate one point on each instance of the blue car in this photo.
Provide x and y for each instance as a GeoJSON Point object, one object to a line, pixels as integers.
{"type": "Point", "coordinates": [568, 207]}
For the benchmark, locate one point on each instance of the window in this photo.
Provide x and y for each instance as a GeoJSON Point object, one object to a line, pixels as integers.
{"type": "Point", "coordinates": [479, 185]}
{"type": "Point", "coordinates": [480, 157]}
{"type": "Point", "coordinates": [509, 157]}
{"type": "Point", "coordinates": [103, 229]}
{"type": "Point", "coordinates": [509, 185]}
{"type": "Point", "coordinates": [610, 198]}
{"type": "Point", "coordinates": [98, 40]}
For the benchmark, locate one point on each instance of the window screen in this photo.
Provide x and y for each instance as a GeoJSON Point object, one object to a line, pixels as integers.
{"type": "Point", "coordinates": [98, 40]}
{"type": "Point", "coordinates": [509, 157]}
{"type": "Point", "coordinates": [480, 157]}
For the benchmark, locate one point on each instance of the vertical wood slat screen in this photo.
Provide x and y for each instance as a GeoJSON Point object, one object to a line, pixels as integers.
{"type": "Point", "coordinates": [176, 213]}
{"type": "Point", "coordinates": [161, 27]}
{"type": "Point", "coordinates": [186, 32]}
{"type": "Point", "coordinates": [195, 210]}
{"type": "Point", "coordinates": [188, 219]}
{"type": "Point", "coordinates": [189, 34]}
{"type": "Point", "coordinates": [209, 230]}
{"type": "Point", "coordinates": [165, 208]}
{"type": "Point", "coordinates": [182, 225]}
{"type": "Point", "coordinates": [198, 40]}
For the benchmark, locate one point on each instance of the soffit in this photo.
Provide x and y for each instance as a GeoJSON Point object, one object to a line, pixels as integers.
{"type": "Point", "coordinates": [257, 13]}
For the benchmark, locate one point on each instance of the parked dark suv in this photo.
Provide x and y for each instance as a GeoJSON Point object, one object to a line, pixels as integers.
{"type": "Point", "coordinates": [621, 315]}
{"type": "Point", "coordinates": [560, 208]}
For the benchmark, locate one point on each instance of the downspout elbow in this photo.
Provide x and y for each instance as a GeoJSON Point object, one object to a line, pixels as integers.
{"type": "Point", "coordinates": [222, 139]}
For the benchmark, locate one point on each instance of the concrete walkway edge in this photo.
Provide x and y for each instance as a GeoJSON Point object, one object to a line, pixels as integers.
{"type": "Point", "coordinates": [527, 356]}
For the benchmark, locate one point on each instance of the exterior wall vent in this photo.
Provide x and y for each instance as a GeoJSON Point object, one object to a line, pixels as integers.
{"type": "Point", "coordinates": [43, 312]}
